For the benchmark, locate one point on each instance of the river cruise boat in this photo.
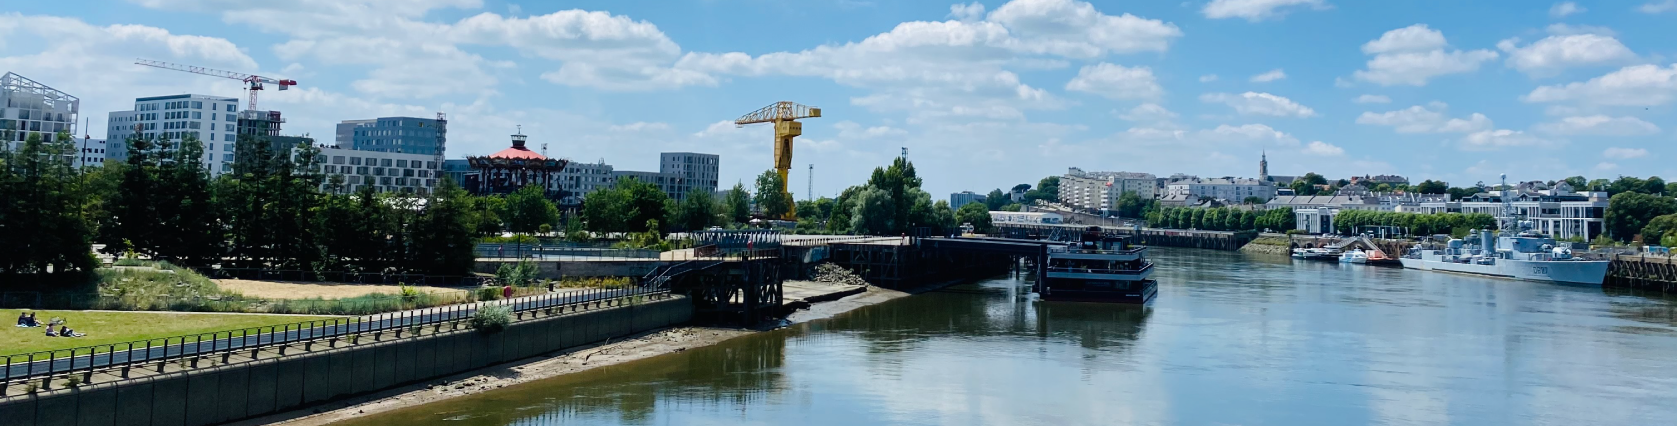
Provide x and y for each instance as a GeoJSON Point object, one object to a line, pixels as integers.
{"type": "Point", "coordinates": [1098, 268]}
{"type": "Point", "coordinates": [1514, 251]}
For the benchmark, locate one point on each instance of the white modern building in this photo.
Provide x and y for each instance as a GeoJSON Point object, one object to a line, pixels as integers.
{"type": "Point", "coordinates": [1037, 218]}
{"type": "Point", "coordinates": [1559, 211]}
{"type": "Point", "coordinates": [214, 120]}
{"type": "Point", "coordinates": [348, 170]}
{"type": "Point", "coordinates": [580, 179]}
{"type": "Point", "coordinates": [962, 198]}
{"type": "Point", "coordinates": [1101, 190]}
{"type": "Point", "coordinates": [28, 107]}
{"type": "Point", "coordinates": [697, 171]}
{"type": "Point", "coordinates": [91, 152]}
{"type": "Point", "coordinates": [1233, 190]}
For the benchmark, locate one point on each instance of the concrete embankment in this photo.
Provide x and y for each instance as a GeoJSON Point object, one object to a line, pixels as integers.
{"type": "Point", "coordinates": [232, 392]}
{"type": "Point", "coordinates": [1278, 246]}
{"type": "Point", "coordinates": [824, 300]}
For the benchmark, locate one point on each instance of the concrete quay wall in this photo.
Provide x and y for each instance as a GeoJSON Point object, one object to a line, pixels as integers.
{"type": "Point", "coordinates": [227, 393]}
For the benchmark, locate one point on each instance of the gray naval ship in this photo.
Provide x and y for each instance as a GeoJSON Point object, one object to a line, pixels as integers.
{"type": "Point", "coordinates": [1513, 251]}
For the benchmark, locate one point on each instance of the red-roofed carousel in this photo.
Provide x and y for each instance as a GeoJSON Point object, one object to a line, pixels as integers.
{"type": "Point", "coordinates": [513, 168]}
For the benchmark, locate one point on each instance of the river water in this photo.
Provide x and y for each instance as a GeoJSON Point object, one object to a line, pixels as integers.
{"type": "Point", "coordinates": [1231, 339]}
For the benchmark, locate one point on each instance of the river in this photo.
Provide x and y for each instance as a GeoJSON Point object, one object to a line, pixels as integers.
{"type": "Point", "coordinates": [1231, 339]}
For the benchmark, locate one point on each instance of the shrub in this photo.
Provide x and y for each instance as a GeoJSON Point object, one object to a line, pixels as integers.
{"type": "Point", "coordinates": [409, 294]}
{"type": "Point", "coordinates": [518, 274]}
{"type": "Point", "coordinates": [488, 293]}
{"type": "Point", "coordinates": [492, 319]}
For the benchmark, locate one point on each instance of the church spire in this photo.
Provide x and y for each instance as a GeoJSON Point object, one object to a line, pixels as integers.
{"type": "Point", "coordinates": [1263, 166]}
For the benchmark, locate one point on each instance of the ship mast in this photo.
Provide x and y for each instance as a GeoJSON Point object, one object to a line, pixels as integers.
{"type": "Point", "coordinates": [1507, 222]}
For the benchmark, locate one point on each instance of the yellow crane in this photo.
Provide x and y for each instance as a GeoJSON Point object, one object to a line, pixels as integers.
{"type": "Point", "coordinates": [784, 115]}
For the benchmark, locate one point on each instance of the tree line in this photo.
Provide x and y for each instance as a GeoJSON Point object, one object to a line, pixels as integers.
{"type": "Point", "coordinates": [1222, 219]}
{"type": "Point", "coordinates": [268, 212]}
{"type": "Point", "coordinates": [1350, 221]}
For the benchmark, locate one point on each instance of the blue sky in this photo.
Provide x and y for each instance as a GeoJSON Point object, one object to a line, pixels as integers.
{"type": "Point", "coordinates": [984, 95]}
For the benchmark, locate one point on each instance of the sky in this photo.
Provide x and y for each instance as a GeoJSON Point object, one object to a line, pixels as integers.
{"type": "Point", "coordinates": [983, 95]}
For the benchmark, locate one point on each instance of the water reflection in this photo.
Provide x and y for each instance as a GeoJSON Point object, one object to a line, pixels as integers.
{"type": "Point", "coordinates": [1232, 339]}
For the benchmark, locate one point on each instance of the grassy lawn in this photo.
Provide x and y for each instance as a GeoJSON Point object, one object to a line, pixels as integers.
{"type": "Point", "coordinates": [114, 327]}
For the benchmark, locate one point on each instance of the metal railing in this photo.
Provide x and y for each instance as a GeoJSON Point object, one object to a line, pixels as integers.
{"type": "Point", "coordinates": [192, 349]}
{"type": "Point", "coordinates": [545, 252]}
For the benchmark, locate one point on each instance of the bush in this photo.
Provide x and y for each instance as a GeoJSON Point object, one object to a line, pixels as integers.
{"type": "Point", "coordinates": [518, 274]}
{"type": "Point", "coordinates": [492, 319]}
{"type": "Point", "coordinates": [515, 239]}
{"type": "Point", "coordinates": [488, 293]}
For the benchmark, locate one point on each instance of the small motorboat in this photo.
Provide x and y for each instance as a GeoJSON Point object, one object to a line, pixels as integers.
{"type": "Point", "coordinates": [1355, 256]}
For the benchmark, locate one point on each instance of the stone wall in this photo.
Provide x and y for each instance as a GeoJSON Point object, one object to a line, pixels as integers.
{"type": "Point", "coordinates": [232, 392]}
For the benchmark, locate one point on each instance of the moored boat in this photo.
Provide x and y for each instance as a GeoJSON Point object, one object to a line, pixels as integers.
{"type": "Point", "coordinates": [1099, 268]}
{"type": "Point", "coordinates": [1514, 251]}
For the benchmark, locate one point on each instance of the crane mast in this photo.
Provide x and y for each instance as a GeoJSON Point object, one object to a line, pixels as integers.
{"type": "Point", "coordinates": [253, 83]}
{"type": "Point", "coordinates": [784, 115]}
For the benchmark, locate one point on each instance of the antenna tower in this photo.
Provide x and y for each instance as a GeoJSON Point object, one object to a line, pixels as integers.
{"type": "Point", "coordinates": [809, 194]}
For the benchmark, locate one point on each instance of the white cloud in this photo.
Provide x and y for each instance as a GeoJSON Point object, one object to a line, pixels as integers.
{"type": "Point", "coordinates": [1148, 112]}
{"type": "Point", "coordinates": [1624, 153]}
{"type": "Point", "coordinates": [1557, 52]}
{"type": "Point", "coordinates": [1606, 166]}
{"type": "Point", "coordinates": [1272, 75]}
{"type": "Point", "coordinates": [1660, 6]}
{"type": "Point", "coordinates": [967, 12]}
{"type": "Point", "coordinates": [1253, 103]}
{"type": "Point", "coordinates": [1323, 149]}
{"type": "Point", "coordinates": [1414, 54]}
{"type": "Point", "coordinates": [1116, 82]}
{"type": "Point", "coordinates": [1600, 125]}
{"type": "Point", "coordinates": [954, 69]}
{"type": "Point", "coordinates": [1208, 78]}
{"type": "Point", "coordinates": [1372, 99]}
{"type": "Point", "coordinates": [851, 130]}
{"type": "Point", "coordinates": [1562, 9]}
{"type": "Point", "coordinates": [95, 63]}
{"type": "Point", "coordinates": [1637, 85]}
{"type": "Point", "coordinates": [1419, 119]}
{"type": "Point", "coordinates": [1498, 139]}
{"type": "Point", "coordinates": [639, 126]}
{"type": "Point", "coordinates": [1255, 10]}
{"type": "Point", "coordinates": [1564, 29]}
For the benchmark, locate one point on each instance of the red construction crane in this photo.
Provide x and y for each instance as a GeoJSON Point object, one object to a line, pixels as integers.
{"type": "Point", "coordinates": [253, 83]}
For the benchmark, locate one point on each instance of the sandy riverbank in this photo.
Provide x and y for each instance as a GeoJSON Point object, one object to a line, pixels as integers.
{"type": "Point", "coordinates": [646, 345]}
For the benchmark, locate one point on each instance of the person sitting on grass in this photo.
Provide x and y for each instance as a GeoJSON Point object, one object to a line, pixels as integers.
{"type": "Point", "coordinates": [22, 319]}
{"type": "Point", "coordinates": [32, 321]}
{"type": "Point", "coordinates": [65, 331]}
{"type": "Point", "coordinates": [50, 333]}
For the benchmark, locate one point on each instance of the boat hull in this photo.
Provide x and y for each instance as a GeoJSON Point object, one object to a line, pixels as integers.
{"type": "Point", "coordinates": [1141, 294]}
{"type": "Point", "coordinates": [1589, 272]}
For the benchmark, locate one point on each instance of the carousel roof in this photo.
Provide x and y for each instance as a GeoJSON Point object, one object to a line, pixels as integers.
{"type": "Point", "coordinates": [519, 152]}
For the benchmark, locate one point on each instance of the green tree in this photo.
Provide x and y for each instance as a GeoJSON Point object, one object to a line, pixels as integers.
{"type": "Point", "coordinates": [1578, 183]}
{"type": "Point", "coordinates": [943, 218]}
{"type": "Point", "coordinates": [1430, 186]}
{"type": "Point", "coordinates": [843, 208]}
{"type": "Point", "coordinates": [628, 206]}
{"type": "Point", "coordinates": [1252, 200]}
{"type": "Point", "coordinates": [442, 235]}
{"type": "Point", "coordinates": [527, 209]}
{"type": "Point", "coordinates": [1658, 227]}
{"type": "Point", "coordinates": [1013, 207]}
{"type": "Point", "coordinates": [1628, 212]}
{"type": "Point", "coordinates": [696, 211]}
{"type": "Point", "coordinates": [41, 228]}
{"type": "Point", "coordinates": [975, 215]}
{"type": "Point", "coordinates": [875, 213]}
{"type": "Point", "coordinates": [770, 200]}
{"type": "Point", "coordinates": [996, 199]}
{"type": "Point", "coordinates": [1654, 185]}
{"type": "Point", "coordinates": [737, 205]}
